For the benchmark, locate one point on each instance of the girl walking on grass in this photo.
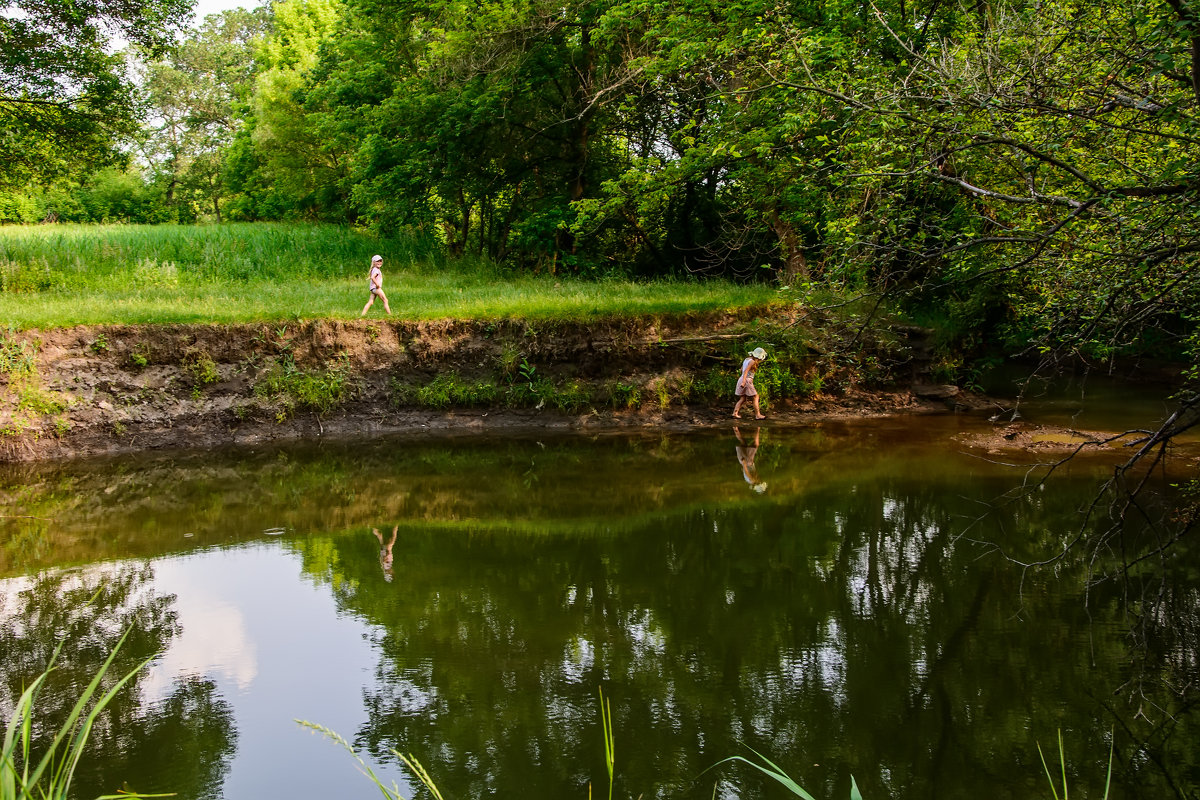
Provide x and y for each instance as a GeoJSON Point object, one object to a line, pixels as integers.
{"type": "Point", "coordinates": [375, 285]}
{"type": "Point", "coordinates": [745, 384]}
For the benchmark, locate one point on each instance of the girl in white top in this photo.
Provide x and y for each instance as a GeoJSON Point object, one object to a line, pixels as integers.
{"type": "Point", "coordinates": [745, 385]}
{"type": "Point", "coordinates": [375, 286]}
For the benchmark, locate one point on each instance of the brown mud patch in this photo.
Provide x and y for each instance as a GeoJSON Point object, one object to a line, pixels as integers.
{"type": "Point", "coordinates": [1052, 440]}
{"type": "Point", "coordinates": [114, 389]}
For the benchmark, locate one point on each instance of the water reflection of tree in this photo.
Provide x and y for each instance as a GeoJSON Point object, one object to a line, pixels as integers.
{"type": "Point", "coordinates": [181, 744]}
{"type": "Point", "coordinates": [1129, 543]}
{"type": "Point", "coordinates": [137, 509]}
{"type": "Point", "coordinates": [861, 636]}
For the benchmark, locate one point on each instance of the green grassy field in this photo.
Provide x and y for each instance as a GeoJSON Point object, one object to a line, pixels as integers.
{"type": "Point", "coordinates": [61, 275]}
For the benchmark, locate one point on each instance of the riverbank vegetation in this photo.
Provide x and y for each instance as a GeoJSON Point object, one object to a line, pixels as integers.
{"type": "Point", "coordinates": [62, 275]}
{"type": "Point", "coordinates": [100, 388]}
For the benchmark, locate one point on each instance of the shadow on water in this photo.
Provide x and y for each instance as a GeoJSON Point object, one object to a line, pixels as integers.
{"type": "Point", "coordinates": [832, 596]}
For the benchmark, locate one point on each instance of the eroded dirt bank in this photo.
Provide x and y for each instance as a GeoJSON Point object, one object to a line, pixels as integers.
{"type": "Point", "coordinates": [111, 389]}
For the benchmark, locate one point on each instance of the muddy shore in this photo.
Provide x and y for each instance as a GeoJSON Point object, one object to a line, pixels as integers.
{"type": "Point", "coordinates": [118, 389]}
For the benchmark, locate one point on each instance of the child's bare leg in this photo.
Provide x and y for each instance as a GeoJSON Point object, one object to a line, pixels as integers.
{"type": "Point", "coordinates": [386, 307]}
{"type": "Point", "coordinates": [757, 414]}
{"type": "Point", "coordinates": [367, 307]}
{"type": "Point", "coordinates": [738, 405]}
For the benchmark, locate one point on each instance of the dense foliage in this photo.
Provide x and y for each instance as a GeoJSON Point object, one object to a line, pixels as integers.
{"type": "Point", "coordinates": [65, 98]}
{"type": "Point", "coordinates": [1024, 172]}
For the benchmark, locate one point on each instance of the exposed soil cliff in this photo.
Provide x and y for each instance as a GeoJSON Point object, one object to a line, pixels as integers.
{"type": "Point", "coordinates": [111, 389]}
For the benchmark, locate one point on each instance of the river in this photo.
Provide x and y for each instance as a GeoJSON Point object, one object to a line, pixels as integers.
{"type": "Point", "coordinates": [844, 598]}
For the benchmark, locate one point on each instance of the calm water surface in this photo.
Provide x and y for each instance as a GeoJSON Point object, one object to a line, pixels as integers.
{"type": "Point", "coordinates": [832, 597]}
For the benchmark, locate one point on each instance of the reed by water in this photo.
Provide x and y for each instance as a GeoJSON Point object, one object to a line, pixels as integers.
{"type": "Point", "coordinates": [47, 775]}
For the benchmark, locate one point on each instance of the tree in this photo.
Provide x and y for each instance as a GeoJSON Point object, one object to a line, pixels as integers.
{"type": "Point", "coordinates": [483, 123]}
{"type": "Point", "coordinates": [198, 95]}
{"type": "Point", "coordinates": [286, 157]}
{"type": "Point", "coordinates": [1065, 139]}
{"type": "Point", "coordinates": [65, 98]}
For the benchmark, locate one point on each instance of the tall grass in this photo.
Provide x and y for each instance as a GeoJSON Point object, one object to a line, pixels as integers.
{"type": "Point", "coordinates": [26, 776]}
{"type": "Point", "coordinates": [391, 792]}
{"type": "Point", "coordinates": [159, 256]}
{"type": "Point", "coordinates": [1062, 769]}
{"type": "Point", "coordinates": [772, 770]}
{"type": "Point", "coordinates": [56, 276]}
{"type": "Point", "coordinates": [610, 750]}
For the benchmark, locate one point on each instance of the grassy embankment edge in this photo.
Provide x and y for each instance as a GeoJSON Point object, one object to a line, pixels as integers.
{"type": "Point", "coordinates": [274, 285]}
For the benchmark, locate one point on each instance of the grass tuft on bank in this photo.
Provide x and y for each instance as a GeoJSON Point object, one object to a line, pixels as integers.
{"type": "Point", "coordinates": [63, 275]}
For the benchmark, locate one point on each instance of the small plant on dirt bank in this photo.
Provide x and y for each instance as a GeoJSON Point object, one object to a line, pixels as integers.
{"type": "Point", "coordinates": [449, 389]}
{"type": "Point", "coordinates": [716, 384]}
{"type": "Point", "coordinates": [662, 392]}
{"type": "Point", "coordinates": [624, 395]}
{"type": "Point", "coordinates": [25, 398]}
{"type": "Point", "coordinates": [202, 368]}
{"type": "Point", "coordinates": [508, 361]}
{"type": "Point", "coordinates": [400, 393]}
{"type": "Point", "coordinates": [685, 387]}
{"type": "Point", "coordinates": [529, 388]}
{"type": "Point", "coordinates": [16, 357]}
{"type": "Point", "coordinates": [527, 371]}
{"type": "Point", "coordinates": [573, 397]}
{"type": "Point", "coordinates": [320, 390]}
{"type": "Point", "coordinates": [36, 400]}
{"type": "Point", "coordinates": [534, 392]}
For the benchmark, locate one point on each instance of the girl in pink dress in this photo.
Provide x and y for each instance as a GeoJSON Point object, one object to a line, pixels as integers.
{"type": "Point", "coordinates": [745, 385]}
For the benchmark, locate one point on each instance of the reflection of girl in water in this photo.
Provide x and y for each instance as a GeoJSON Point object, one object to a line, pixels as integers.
{"type": "Point", "coordinates": [745, 457]}
{"type": "Point", "coordinates": [385, 552]}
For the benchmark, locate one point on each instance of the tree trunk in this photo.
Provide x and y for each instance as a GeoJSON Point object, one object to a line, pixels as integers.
{"type": "Point", "coordinates": [582, 128]}
{"type": "Point", "coordinates": [464, 231]}
{"type": "Point", "coordinates": [791, 249]}
{"type": "Point", "coordinates": [1187, 16]}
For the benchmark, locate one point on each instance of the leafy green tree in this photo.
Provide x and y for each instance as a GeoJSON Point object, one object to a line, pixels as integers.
{"type": "Point", "coordinates": [198, 95]}
{"type": "Point", "coordinates": [1073, 168]}
{"type": "Point", "coordinates": [285, 158]}
{"type": "Point", "coordinates": [112, 195]}
{"type": "Point", "coordinates": [65, 98]}
{"type": "Point", "coordinates": [482, 123]}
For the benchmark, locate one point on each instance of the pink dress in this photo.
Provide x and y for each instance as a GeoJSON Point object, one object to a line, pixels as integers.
{"type": "Point", "coordinates": [745, 384]}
